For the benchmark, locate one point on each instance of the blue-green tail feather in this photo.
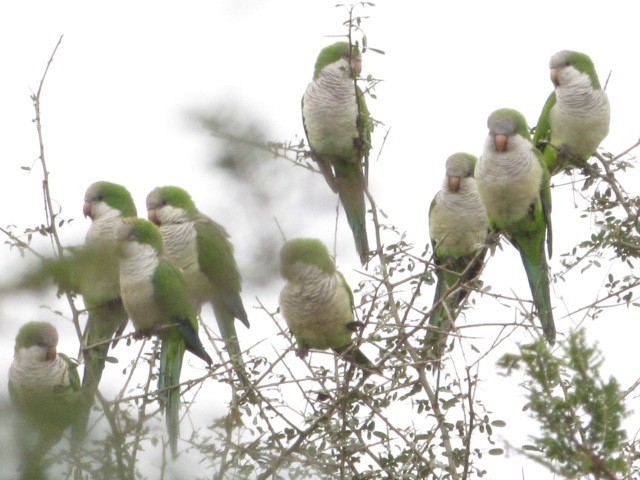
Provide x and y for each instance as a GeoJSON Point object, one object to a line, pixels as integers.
{"type": "Point", "coordinates": [355, 356]}
{"type": "Point", "coordinates": [103, 322]}
{"type": "Point", "coordinates": [458, 272]}
{"type": "Point", "coordinates": [351, 186]}
{"type": "Point", "coordinates": [535, 264]}
{"type": "Point", "coordinates": [226, 325]}
{"type": "Point", "coordinates": [171, 356]}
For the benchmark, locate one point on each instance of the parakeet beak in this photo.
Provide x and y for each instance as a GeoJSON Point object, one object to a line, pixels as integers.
{"type": "Point", "coordinates": [501, 142]}
{"type": "Point", "coordinates": [51, 354]}
{"type": "Point", "coordinates": [356, 66]}
{"type": "Point", "coordinates": [454, 184]}
{"type": "Point", "coordinates": [151, 215]}
{"type": "Point", "coordinates": [553, 74]}
{"type": "Point", "coordinates": [86, 209]}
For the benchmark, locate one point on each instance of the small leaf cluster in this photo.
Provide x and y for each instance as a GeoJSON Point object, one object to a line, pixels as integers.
{"type": "Point", "coordinates": [580, 415]}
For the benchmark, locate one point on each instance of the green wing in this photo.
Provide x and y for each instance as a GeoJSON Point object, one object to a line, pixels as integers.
{"type": "Point", "coordinates": [365, 128]}
{"type": "Point", "coordinates": [216, 261]}
{"type": "Point", "coordinates": [74, 377]}
{"type": "Point", "coordinates": [545, 198]}
{"type": "Point", "coordinates": [171, 294]}
{"type": "Point", "coordinates": [349, 352]}
{"type": "Point", "coordinates": [543, 127]}
{"type": "Point", "coordinates": [346, 286]}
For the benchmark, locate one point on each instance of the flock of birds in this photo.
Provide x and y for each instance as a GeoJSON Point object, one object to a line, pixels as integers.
{"type": "Point", "coordinates": [159, 272]}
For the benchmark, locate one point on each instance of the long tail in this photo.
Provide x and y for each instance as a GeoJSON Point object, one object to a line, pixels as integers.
{"type": "Point", "coordinates": [351, 185]}
{"type": "Point", "coordinates": [32, 452]}
{"type": "Point", "coordinates": [455, 274]}
{"type": "Point", "coordinates": [103, 322]}
{"type": "Point", "coordinates": [535, 264]}
{"type": "Point", "coordinates": [443, 317]}
{"type": "Point", "coordinates": [355, 356]}
{"type": "Point", "coordinates": [172, 353]}
{"type": "Point", "coordinates": [227, 327]}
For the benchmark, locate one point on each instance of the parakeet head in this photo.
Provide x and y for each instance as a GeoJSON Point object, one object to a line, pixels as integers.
{"type": "Point", "coordinates": [568, 67]}
{"type": "Point", "coordinates": [169, 204]}
{"type": "Point", "coordinates": [139, 231]}
{"type": "Point", "coordinates": [459, 165]}
{"type": "Point", "coordinates": [106, 198]}
{"type": "Point", "coordinates": [336, 52]}
{"type": "Point", "coordinates": [301, 252]}
{"type": "Point", "coordinates": [505, 123]}
{"type": "Point", "coordinates": [38, 336]}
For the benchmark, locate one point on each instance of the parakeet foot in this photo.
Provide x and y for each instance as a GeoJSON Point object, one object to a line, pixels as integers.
{"type": "Point", "coordinates": [302, 351]}
{"type": "Point", "coordinates": [354, 326]}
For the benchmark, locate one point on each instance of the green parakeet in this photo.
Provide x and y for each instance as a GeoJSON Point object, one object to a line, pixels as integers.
{"type": "Point", "coordinates": [201, 248]}
{"type": "Point", "coordinates": [575, 118]}
{"type": "Point", "coordinates": [513, 183]}
{"type": "Point", "coordinates": [45, 389]}
{"type": "Point", "coordinates": [106, 204]}
{"type": "Point", "coordinates": [316, 302]}
{"type": "Point", "coordinates": [157, 300]}
{"type": "Point", "coordinates": [458, 226]}
{"type": "Point", "coordinates": [338, 128]}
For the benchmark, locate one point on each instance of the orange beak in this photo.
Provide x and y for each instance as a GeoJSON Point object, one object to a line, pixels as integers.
{"type": "Point", "coordinates": [553, 74]}
{"type": "Point", "coordinates": [86, 209]}
{"type": "Point", "coordinates": [151, 215]}
{"type": "Point", "coordinates": [501, 142]}
{"type": "Point", "coordinates": [51, 354]}
{"type": "Point", "coordinates": [356, 66]}
{"type": "Point", "coordinates": [454, 183]}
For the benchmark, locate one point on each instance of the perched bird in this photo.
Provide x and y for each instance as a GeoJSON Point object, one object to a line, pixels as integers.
{"type": "Point", "coordinates": [316, 301]}
{"type": "Point", "coordinates": [458, 226]}
{"type": "Point", "coordinates": [156, 298]}
{"type": "Point", "coordinates": [106, 204]}
{"type": "Point", "coordinates": [338, 128]}
{"type": "Point", "coordinates": [575, 118]}
{"type": "Point", "coordinates": [513, 182]}
{"type": "Point", "coordinates": [44, 388]}
{"type": "Point", "coordinates": [201, 248]}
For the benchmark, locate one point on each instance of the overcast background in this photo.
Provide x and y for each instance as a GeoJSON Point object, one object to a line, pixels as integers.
{"type": "Point", "coordinates": [119, 105]}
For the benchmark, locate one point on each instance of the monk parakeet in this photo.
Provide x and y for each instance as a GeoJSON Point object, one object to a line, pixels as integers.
{"type": "Point", "coordinates": [316, 301]}
{"type": "Point", "coordinates": [338, 128]}
{"type": "Point", "coordinates": [458, 226]}
{"type": "Point", "coordinates": [106, 204]}
{"type": "Point", "coordinates": [513, 183]}
{"type": "Point", "coordinates": [44, 388]}
{"type": "Point", "coordinates": [575, 118]}
{"type": "Point", "coordinates": [201, 248]}
{"type": "Point", "coordinates": [156, 298]}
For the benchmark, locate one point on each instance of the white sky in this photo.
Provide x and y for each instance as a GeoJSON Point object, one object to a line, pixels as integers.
{"type": "Point", "coordinates": [127, 73]}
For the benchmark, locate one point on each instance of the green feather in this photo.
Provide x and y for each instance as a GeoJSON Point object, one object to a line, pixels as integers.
{"type": "Point", "coordinates": [305, 250]}
{"type": "Point", "coordinates": [333, 53]}
{"type": "Point", "coordinates": [351, 185]}
{"type": "Point", "coordinates": [344, 165]}
{"type": "Point", "coordinates": [145, 232]}
{"type": "Point", "coordinates": [171, 356]}
{"type": "Point", "coordinates": [528, 235]}
{"type": "Point", "coordinates": [583, 63]}
{"type": "Point", "coordinates": [217, 263]}
{"type": "Point", "coordinates": [542, 131]}
{"type": "Point", "coordinates": [450, 273]}
{"type": "Point", "coordinates": [114, 195]}
{"type": "Point", "coordinates": [46, 414]}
